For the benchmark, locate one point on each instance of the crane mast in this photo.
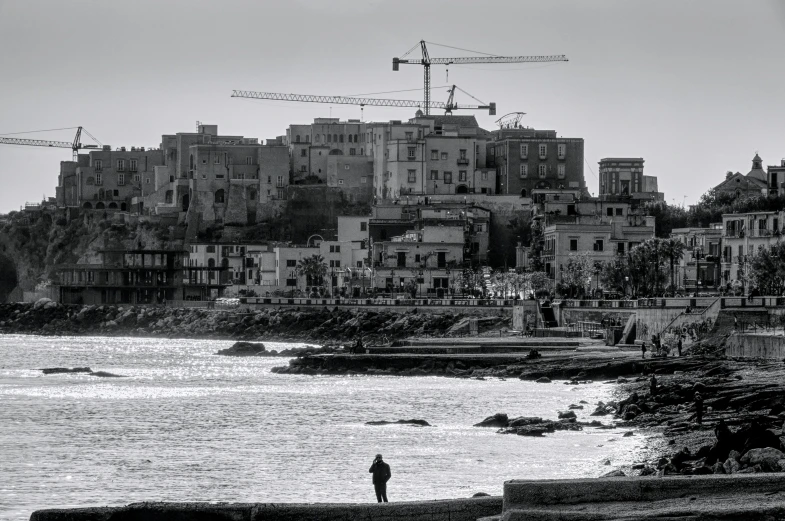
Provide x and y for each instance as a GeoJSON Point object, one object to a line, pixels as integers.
{"type": "Point", "coordinates": [426, 61]}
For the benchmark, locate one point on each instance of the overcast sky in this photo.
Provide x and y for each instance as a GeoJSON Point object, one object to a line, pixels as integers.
{"type": "Point", "coordinates": [696, 88]}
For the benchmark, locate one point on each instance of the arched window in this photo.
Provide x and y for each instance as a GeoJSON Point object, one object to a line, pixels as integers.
{"type": "Point", "coordinates": [211, 263]}
{"type": "Point", "coordinates": [99, 206]}
{"type": "Point", "coordinates": [219, 196]}
{"type": "Point", "coordinates": [297, 138]}
{"type": "Point", "coordinates": [112, 206]}
{"type": "Point", "coordinates": [523, 192]}
{"type": "Point", "coordinates": [317, 138]}
{"type": "Point", "coordinates": [335, 138]}
{"type": "Point", "coordinates": [355, 138]}
{"type": "Point", "coordinates": [349, 138]}
{"type": "Point", "coordinates": [87, 206]}
{"type": "Point", "coordinates": [308, 138]}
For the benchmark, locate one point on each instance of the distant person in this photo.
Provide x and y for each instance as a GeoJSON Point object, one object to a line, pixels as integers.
{"type": "Point", "coordinates": [358, 346]}
{"type": "Point", "coordinates": [643, 350]}
{"type": "Point", "coordinates": [735, 323]}
{"type": "Point", "coordinates": [698, 408]}
{"type": "Point", "coordinates": [678, 345]}
{"type": "Point", "coordinates": [381, 475]}
{"type": "Point", "coordinates": [653, 385]}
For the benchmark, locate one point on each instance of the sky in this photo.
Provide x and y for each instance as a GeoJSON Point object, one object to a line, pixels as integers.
{"type": "Point", "coordinates": [695, 87]}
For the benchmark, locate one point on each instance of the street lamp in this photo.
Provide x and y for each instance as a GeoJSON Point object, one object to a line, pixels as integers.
{"type": "Point", "coordinates": [626, 282]}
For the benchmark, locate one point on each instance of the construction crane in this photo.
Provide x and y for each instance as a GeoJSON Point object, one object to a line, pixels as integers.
{"type": "Point", "coordinates": [448, 106]}
{"type": "Point", "coordinates": [76, 145]}
{"type": "Point", "coordinates": [426, 61]}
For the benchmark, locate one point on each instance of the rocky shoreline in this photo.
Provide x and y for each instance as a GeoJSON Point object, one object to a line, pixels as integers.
{"type": "Point", "coordinates": [273, 324]}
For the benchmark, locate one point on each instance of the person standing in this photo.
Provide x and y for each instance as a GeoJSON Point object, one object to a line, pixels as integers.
{"type": "Point", "coordinates": [381, 475]}
{"type": "Point", "coordinates": [643, 350]}
{"type": "Point", "coordinates": [698, 407]}
{"type": "Point", "coordinates": [679, 346]}
{"type": "Point", "coordinates": [653, 385]}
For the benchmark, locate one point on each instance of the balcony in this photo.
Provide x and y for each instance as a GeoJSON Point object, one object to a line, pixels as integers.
{"type": "Point", "coordinates": [463, 161]}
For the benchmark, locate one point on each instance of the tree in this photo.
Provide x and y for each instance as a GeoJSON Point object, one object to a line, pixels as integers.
{"type": "Point", "coordinates": [577, 274]}
{"type": "Point", "coordinates": [313, 269]}
{"type": "Point", "coordinates": [537, 245]}
{"type": "Point", "coordinates": [615, 274]}
{"type": "Point", "coordinates": [767, 270]}
{"type": "Point", "coordinates": [674, 251]}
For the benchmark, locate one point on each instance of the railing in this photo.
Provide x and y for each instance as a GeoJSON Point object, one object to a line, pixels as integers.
{"type": "Point", "coordinates": [463, 161]}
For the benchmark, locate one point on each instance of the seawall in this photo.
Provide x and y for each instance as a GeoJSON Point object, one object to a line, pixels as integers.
{"type": "Point", "coordinates": [443, 510]}
{"type": "Point", "coordinates": [755, 346]}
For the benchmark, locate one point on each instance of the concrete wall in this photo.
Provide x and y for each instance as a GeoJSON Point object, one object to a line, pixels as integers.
{"type": "Point", "coordinates": [445, 510]}
{"type": "Point", "coordinates": [755, 346]}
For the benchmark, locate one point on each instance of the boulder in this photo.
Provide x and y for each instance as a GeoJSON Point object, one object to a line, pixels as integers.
{"type": "Point", "coordinates": [415, 423]}
{"type": "Point", "coordinates": [41, 302]}
{"type": "Point", "coordinates": [731, 466]}
{"type": "Point", "coordinates": [524, 420]}
{"type": "Point", "coordinates": [245, 349]}
{"type": "Point", "coordinates": [543, 380]}
{"type": "Point", "coordinates": [567, 415]}
{"type": "Point", "coordinates": [499, 419]}
{"type": "Point", "coordinates": [60, 370]}
{"type": "Point", "coordinates": [614, 474]}
{"type": "Point", "coordinates": [768, 458]}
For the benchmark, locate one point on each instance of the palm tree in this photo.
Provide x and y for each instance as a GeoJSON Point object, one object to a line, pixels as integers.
{"type": "Point", "coordinates": [313, 268]}
{"type": "Point", "coordinates": [674, 250]}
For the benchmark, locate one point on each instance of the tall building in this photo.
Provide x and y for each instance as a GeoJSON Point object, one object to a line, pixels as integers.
{"type": "Point", "coordinates": [527, 159]}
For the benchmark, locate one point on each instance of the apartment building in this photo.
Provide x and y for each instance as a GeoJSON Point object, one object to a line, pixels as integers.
{"type": "Point", "coordinates": [310, 147]}
{"type": "Point", "coordinates": [775, 176]}
{"type": "Point", "coordinates": [700, 266]}
{"type": "Point", "coordinates": [604, 228]}
{"type": "Point", "coordinates": [527, 159]}
{"type": "Point", "coordinates": [744, 234]}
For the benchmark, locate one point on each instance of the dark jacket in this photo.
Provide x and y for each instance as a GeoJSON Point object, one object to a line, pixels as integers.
{"type": "Point", "coordinates": [381, 472]}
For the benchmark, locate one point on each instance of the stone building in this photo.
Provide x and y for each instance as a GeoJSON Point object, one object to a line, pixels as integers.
{"type": "Point", "coordinates": [527, 159]}
{"type": "Point", "coordinates": [755, 182]}
{"type": "Point", "coordinates": [624, 176]}
{"type": "Point", "coordinates": [775, 176]}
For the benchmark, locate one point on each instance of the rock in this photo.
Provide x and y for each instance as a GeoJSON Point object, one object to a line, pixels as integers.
{"type": "Point", "coordinates": [573, 406]}
{"type": "Point", "coordinates": [718, 468]}
{"type": "Point", "coordinates": [523, 420]}
{"type": "Point", "coordinates": [606, 462]}
{"type": "Point", "coordinates": [480, 494]}
{"type": "Point", "coordinates": [628, 434]}
{"type": "Point", "coordinates": [614, 474]}
{"type": "Point", "coordinates": [731, 466]}
{"type": "Point", "coordinates": [647, 471]}
{"type": "Point", "coordinates": [104, 374]}
{"type": "Point", "coordinates": [734, 454]}
{"type": "Point", "coordinates": [60, 370]}
{"type": "Point", "coordinates": [768, 458]}
{"type": "Point", "coordinates": [543, 380]}
{"type": "Point", "coordinates": [41, 302]}
{"type": "Point", "coordinates": [621, 380]}
{"type": "Point", "coordinates": [499, 419]}
{"type": "Point", "coordinates": [416, 423]}
{"type": "Point", "coordinates": [245, 349]}
{"type": "Point", "coordinates": [567, 415]}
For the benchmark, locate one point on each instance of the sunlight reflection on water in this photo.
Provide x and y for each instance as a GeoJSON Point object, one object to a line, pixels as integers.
{"type": "Point", "coordinates": [184, 424]}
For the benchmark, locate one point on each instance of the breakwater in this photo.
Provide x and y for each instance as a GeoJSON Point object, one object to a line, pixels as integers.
{"type": "Point", "coordinates": [306, 325]}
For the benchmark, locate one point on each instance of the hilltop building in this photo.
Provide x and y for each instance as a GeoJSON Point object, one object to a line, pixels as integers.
{"type": "Point", "coordinates": [755, 182]}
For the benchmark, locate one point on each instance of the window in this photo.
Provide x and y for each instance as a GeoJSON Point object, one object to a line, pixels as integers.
{"type": "Point", "coordinates": [598, 245]}
{"type": "Point", "coordinates": [316, 139]}
{"type": "Point", "coordinates": [120, 165]}
{"type": "Point", "coordinates": [280, 180]}
{"type": "Point", "coordinates": [434, 154]}
{"type": "Point", "coordinates": [620, 211]}
{"type": "Point", "coordinates": [561, 170]}
{"type": "Point", "coordinates": [573, 244]}
{"type": "Point", "coordinates": [363, 226]}
{"type": "Point", "coordinates": [116, 193]}
{"type": "Point", "coordinates": [542, 171]}
{"type": "Point", "coordinates": [444, 156]}
{"type": "Point", "coordinates": [98, 179]}
{"type": "Point", "coordinates": [417, 257]}
{"type": "Point", "coordinates": [410, 136]}
{"type": "Point", "coordinates": [462, 175]}
{"type": "Point", "coordinates": [620, 248]}
{"type": "Point", "coordinates": [524, 171]}
{"type": "Point", "coordinates": [609, 212]}
{"type": "Point", "coordinates": [340, 138]}
{"type": "Point", "coordinates": [401, 259]}
{"type": "Point", "coordinates": [352, 152]}
{"type": "Point", "coordinates": [364, 180]}
{"type": "Point", "coordinates": [132, 165]}
{"type": "Point", "coordinates": [204, 161]}
{"type": "Point", "coordinates": [412, 176]}
{"type": "Point", "coordinates": [137, 178]}
{"type": "Point", "coordinates": [448, 178]}
{"type": "Point", "coordinates": [543, 151]}
{"type": "Point", "coordinates": [297, 138]}
{"type": "Point", "coordinates": [484, 176]}
{"type": "Point", "coordinates": [291, 263]}
{"type": "Point", "coordinates": [303, 168]}
{"type": "Point", "coordinates": [280, 193]}
{"type": "Point", "coordinates": [120, 179]}
{"type": "Point", "coordinates": [304, 152]}
{"type": "Point", "coordinates": [562, 151]}
{"type": "Point", "coordinates": [412, 153]}
{"type": "Point", "coordinates": [524, 151]}
{"type": "Point", "coordinates": [219, 196]}
{"type": "Point", "coordinates": [99, 165]}
{"type": "Point", "coordinates": [329, 138]}
{"type": "Point", "coordinates": [147, 180]}
{"type": "Point", "coordinates": [217, 159]}
{"type": "Point", "coordinates": [340, 181]}
{"type": "Point", "coordinates": [434, 175]}
{"type": "Point", "coordinates": [462, 154]}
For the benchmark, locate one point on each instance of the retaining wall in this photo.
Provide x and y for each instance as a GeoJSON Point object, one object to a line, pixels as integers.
{"type": "Point", "coordinates": [755, 346]}
{"type": "Point", "coordinates": [446, 510]}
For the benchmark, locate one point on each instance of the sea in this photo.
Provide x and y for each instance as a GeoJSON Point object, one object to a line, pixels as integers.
{"type": "Point", "coordinates": [184, 424]}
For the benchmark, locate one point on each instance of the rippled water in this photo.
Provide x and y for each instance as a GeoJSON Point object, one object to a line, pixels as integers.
{"type": "Point", "coordinates": [188, 425]}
